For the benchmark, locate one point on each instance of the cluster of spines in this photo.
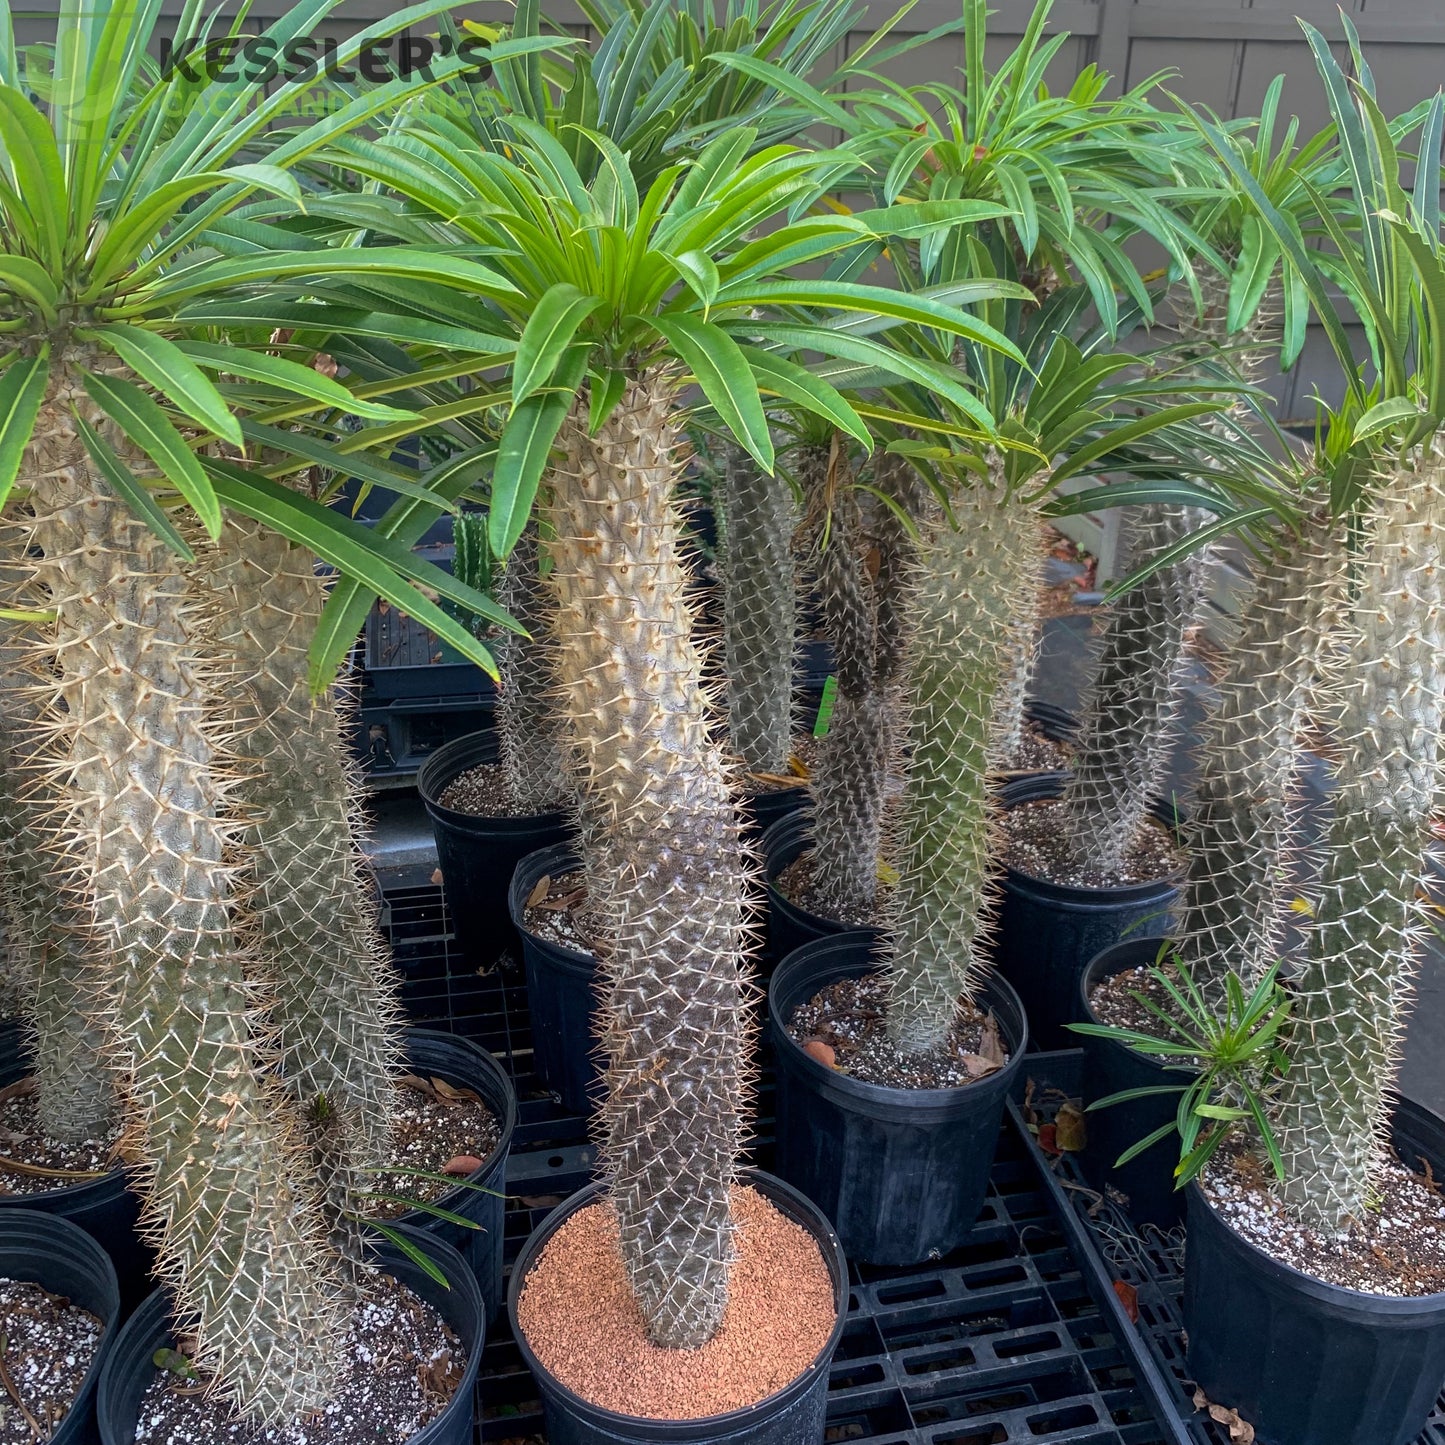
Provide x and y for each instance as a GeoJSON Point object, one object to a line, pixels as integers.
{"type": "Point", "coordinates": [1241, 829]}
{"type": "Point", "coordinates": [141, 833]}
{"type": "Point", "coordinates": [1133, 708]}
{"type": "Point", "coordinates": [1352, 989]}
{"type": "Point", "coordinates": [301, 904]}
{"type": "Point", "coordinates": [530, 731]}
{"type": "Point", "coordinates": [972, 574]}
{"type": "Point", "coordinates": [757, 516]}
{"type": "Point", "coordinates": [659, 804]}
{"type": "Point", "coordinates": [859, 572]}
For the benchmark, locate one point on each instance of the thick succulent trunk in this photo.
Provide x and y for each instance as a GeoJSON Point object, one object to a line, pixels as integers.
{"type": "Point", "coordinates": [1023, 635]}
{"type": "Point", "coordinates": [240, 1246]}
{"type": "Point", "coordinates": [850, 775]}
{"type": "Point", "coordinates": [757, 517]}
{"type": "Point", "coordinates": [967, 586]}
{"type": "Point", "coordinates": [45, 944]}
{"type": "Point", "coordinates": [1353, 990]}
{"type": "Point", "coordinates": [307, 914]}
{"type": "Point", "coordinates": [530, 730]}
{"type": "Point", "coordinates": [1248, 350]}
{"type": "Point", "coordinates": [664, 827]}
{"type": "Point", "coordinates": [1241, 819]}
{"type": "Point", "coordinates": [1133, 708]}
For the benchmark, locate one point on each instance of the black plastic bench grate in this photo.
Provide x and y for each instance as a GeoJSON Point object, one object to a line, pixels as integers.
{"type": "Point", "coordinates": [1002, 1343]}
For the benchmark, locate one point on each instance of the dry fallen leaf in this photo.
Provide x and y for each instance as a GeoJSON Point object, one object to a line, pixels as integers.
{"type": "Point", "coordinates": [1241, 1432]}
{"type": "Point", "coordinates": [436, 877]}
{"type": "Point", "coordinates": [798, 768]}
{"type": "Point", "coordinates": [462, 1165]}
{"type": "Point", "coordinates": [824, 1053]}
{"type": "Point", "coordinates": [450, 1094]}
{"type": "Point", "coordinates": [991, 1046]}
{"type": "Point", "coordinates": [539, 893]}
{"type": "Point", "coordinates": [978, 1067]}
{"type": "Point", "coordinates": [20, 1089]}
{"type": "Point", "coordinates": [1129, 1298]}
{"type": "Point", "coordinates": [1070, 1129]}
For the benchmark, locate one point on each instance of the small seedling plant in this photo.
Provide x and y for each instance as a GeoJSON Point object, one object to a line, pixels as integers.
{"type": "Point", "coordinates": [1230, 1063]}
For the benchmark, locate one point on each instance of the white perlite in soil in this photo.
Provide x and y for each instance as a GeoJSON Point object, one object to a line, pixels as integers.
{"type": "Point", "coordinates": [402, 1367]}
{"type": "Point", "coordinates": [49, 1345]}
{"type": "Point", "coordinates": [31, 1162]}
{"type": "Point", "coordinates": [1397, 1249]}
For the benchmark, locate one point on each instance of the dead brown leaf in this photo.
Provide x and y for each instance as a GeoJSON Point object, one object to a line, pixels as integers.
{"type": "Point", "coordinates": [1070, 1128]}
{"type": "Point", "coordinates": [979, 1067]}
{"type": "Point", "coordinates": [539, 893]}
{"type": "Point", "coordinates": [450, 1094]}
{"type": "Point", "coordinates": [436, 877]}
{"type": "Point", "coordinates": [991, 1045]}
{"type": "Point", "coordinates": [20, 1089]}
{"type": "Point", "coordinates": [1241, 1432]}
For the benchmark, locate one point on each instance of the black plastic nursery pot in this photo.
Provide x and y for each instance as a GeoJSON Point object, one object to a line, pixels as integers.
{"type": "Point", "coordinates": [1049, 932]}
{"type": "Point", "coordinates": [1146, 1182]}
{"type": "Point", "coordinates": [767, 808]}
{"type": "Point", "coordinates": [465, 1065]}
{"type": "Point", "coordinates": [561, 991]}
{"type": "Point", "coordinates": [902, 1173]}
{"type": "Point", "coordinates": [104, 1208]}
{"type": "Point", "coordinates": [789, 926]}
{"type": "Point", "coordinates": [478, 855]}
{"type": "Point", "coordinates": [794, 1415]}
{"type": "Point", "coordinates": [1309, 1363]}
{"type": "Point", "coordinates": [50, 1251]}
{"type": "Point", "coordinates": [131, 1365]}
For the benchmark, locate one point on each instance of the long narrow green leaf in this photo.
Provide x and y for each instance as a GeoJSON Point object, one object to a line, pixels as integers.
{"type": "Point", "coordinates": [131, 491]}
{"type": "Point", "coordinates": [22, 390]}
{"type": "Point", "coordinates": [548, 333]}
{"type": "Point", "coordinates": [172, 373]}
{"type": "Point", "coordinates": [721, 370]}
{"type": "Point", "coordinates": [143, 421]}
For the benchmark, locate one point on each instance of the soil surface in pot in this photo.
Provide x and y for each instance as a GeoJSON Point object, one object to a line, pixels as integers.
{"type": "Point", "coordinates": [844, 1027]}
{"type": "Point", "coordinates": [401, 1366]}
{"type": "Point", "coordinates": [1036, 843]}
{"type": "Point", "coordinates": [47, 1345]}
{"type": "Point", "coordinates": [579, 1315]}
{"type": "Point", "coordinates": [440, 1129]}
{"type": "Point", "coordinates": [557, 911]}
{"type": "Point", "coordinates": [31, 1162]}
{"type": "Point", "coordinates": [1398, 1248]}
{"type": "Point", "coordinates": [795, 883]}
{"type": "Point", "coordinates": [799, 769]}
{"type": "Point", "coordinates": [1116, 1002]}
{"type": "Point", "coordinates": [1039, 754]}
{"type": "Point", "coordinates": [482, 792]}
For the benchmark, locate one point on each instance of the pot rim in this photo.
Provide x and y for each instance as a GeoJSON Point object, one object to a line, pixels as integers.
{"type": "Point", "coordinates": [890, 1093]}
{"type": "Point", "coordinates": [1296, 1279]}
{"type": "Point", "coordinates": [818, 1227]}
{"type": "Point", "coordinates": [429, 788]}
{"type": "Point", "coordinates": [515, 913]}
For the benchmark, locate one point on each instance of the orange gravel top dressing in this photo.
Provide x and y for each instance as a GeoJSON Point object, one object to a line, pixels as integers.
{"type": "Point", "coordinates": [581, 1320]}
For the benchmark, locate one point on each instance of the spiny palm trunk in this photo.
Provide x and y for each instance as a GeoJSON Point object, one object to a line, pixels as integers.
{"type": "Point", "coordinates": [967, 586]}
{"type": "Point", "coordinates": [1241, 821]}
{"type": "Point", "coordinates": [851, 773]}
{"type": "Point", "coordinates": [1023, 629]}
{"type": "Point", "coordinates": [1133, 708]}
{"type": "Point", "coordinates": [240, 1245]}
{"type": "Point", "coordinates": [307, 914]}
{"type": "Point", "coordinates": [1353, 991]}
{"type": "Point", "coordinates": [663, 821]}
{"type": "Point", "coordinates": [529, 726]}
{"type": "Point", "coordinates": [45, 945]}
{"type": "Point", "coordinates": [757, 518]}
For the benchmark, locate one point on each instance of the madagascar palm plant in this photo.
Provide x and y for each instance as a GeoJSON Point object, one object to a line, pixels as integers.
{"type": "Point", "coordinates": [1379, 461]}
{"type": "Point", "coordinates": [1075, 407]}
{"type": "Point", "coordinates": [622, 295]}
{"type": "Point", "coordinates": [107, 404]}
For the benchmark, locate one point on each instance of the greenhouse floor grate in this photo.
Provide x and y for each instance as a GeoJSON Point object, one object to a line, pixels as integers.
{"type": "Point", "coordinates": [1152, 1262]}
{"type": "Point", "coordinates": [1011, 1339]}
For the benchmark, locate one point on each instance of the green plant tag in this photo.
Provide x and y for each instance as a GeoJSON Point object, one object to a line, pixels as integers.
{"type": "Point", "coordinates": [825, 707]}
